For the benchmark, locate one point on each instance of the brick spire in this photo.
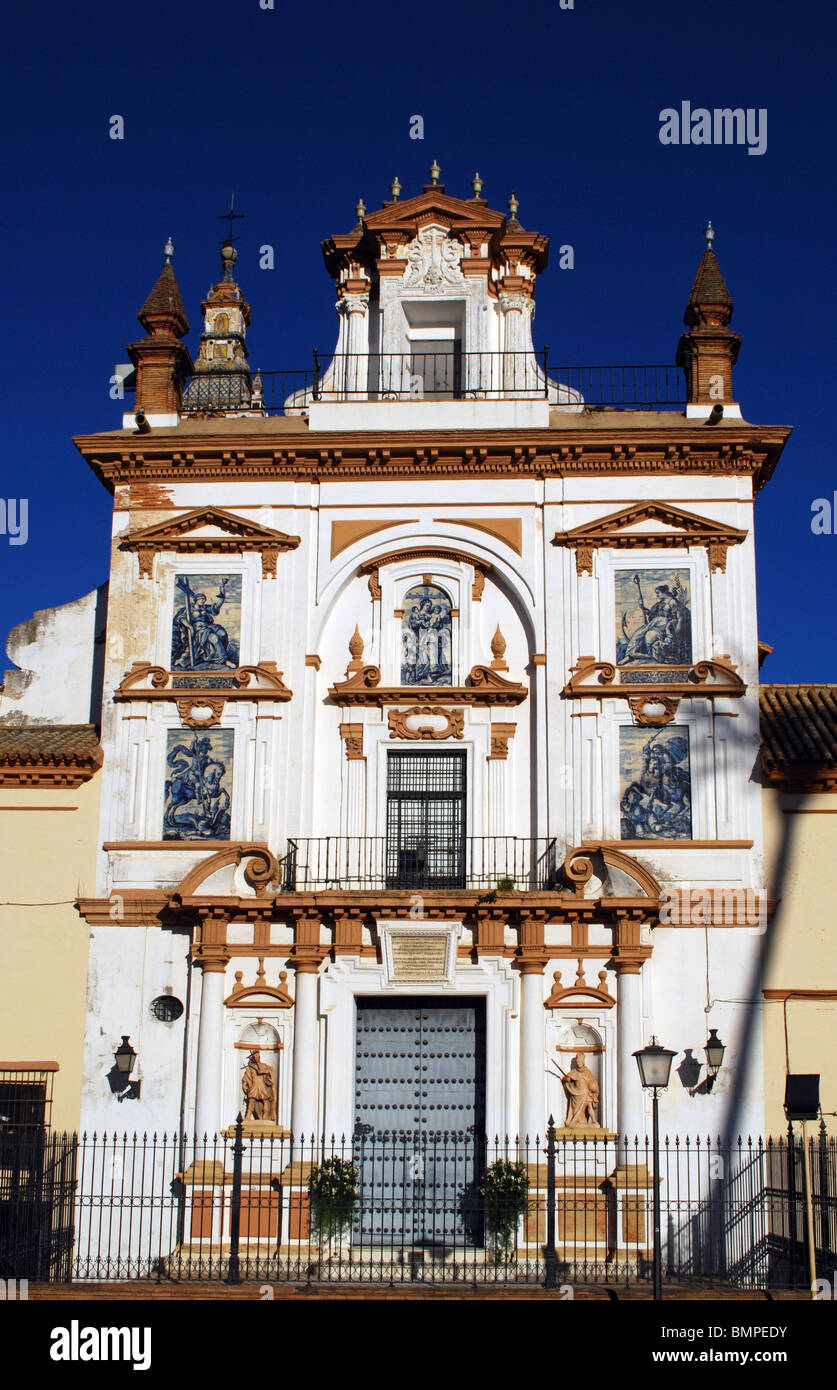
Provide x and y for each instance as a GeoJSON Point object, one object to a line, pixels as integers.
{"type": "Point", "coordinates": [709, 350]}
{"type": "Point", "coordinates": [162, 362]}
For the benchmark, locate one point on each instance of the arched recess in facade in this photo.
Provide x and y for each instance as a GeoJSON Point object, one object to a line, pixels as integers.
{"type": "Point", "coordinates": [494, 612]}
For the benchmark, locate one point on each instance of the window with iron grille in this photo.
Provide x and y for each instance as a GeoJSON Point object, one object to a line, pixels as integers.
{"type": "Point", "coordinates": [26, 1096]}
{"type": "Point", "coordinates": [425, 819]}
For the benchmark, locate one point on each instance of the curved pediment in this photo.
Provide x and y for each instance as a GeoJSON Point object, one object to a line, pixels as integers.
{"type": "Point", "coordinates": [602, 872]}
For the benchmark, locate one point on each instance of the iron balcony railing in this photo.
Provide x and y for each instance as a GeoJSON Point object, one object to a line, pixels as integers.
{"type": "Point", "coordinates": [485, 863]}
{"type": "Point", "coordinates": [436, 376]}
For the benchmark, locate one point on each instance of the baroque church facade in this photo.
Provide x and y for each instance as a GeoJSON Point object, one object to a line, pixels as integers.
{"type": "Point", "coordinates": [429, 715]}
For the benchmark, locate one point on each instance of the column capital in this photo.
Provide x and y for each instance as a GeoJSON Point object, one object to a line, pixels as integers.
{"type": "Point", "coordinates": [215, 963]}
{"type": "Point", "coordinates": [308, 960]}
{"type": "Point", "coordinates": [629, 960]}
{"type": "Point", "coordinates": [531, 964]}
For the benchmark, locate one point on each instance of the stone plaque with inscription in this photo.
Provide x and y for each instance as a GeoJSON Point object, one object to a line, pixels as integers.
{"type": "Point", "coordinates": [419, 957]}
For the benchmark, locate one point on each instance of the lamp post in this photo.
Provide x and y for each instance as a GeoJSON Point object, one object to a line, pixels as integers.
{"type": "Point", "coordinates": [654, 1064]}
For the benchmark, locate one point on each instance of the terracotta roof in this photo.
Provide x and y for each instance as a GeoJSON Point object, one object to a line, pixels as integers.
{"type": "Point", "coordinates": [165, 299]}
{"type": "Point", "coordinates": [798, 726]}
{"type": "Point", "coordinates": [49, 754]}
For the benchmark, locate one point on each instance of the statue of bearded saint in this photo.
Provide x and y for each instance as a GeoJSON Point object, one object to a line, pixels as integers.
{"type": "Point", "coordinates": [582, 1090]}
{"type": "Point", "coordinates": [258, 1088]}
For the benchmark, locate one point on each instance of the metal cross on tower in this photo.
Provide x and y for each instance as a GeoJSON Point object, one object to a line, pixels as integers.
{"type": "Point", "coordinates": [230, 217]}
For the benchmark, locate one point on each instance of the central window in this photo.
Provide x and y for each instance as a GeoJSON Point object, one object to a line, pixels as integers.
{"type": "Point", "coordinates": [425, 819]}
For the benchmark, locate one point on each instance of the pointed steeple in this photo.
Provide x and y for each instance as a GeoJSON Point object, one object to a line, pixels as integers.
{"type": "Point", "coordinates": [223, 382]}
{"type": "Point", "coordinates": [163, 309]}
{"type": "Point", "coordinates": [707, 353]}
{"type": "Point", "coordinates": [710, 301]}
{"type": "Point", "coordinates": [162, 362]}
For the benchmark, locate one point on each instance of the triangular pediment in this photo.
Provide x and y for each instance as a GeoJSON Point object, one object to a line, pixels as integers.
{"type": "Point", "coordinates": [650, 525]}
{"type": "Point", "coordinates": [208, 530]}
{"type": "Point", "coordinates": [452, 212]}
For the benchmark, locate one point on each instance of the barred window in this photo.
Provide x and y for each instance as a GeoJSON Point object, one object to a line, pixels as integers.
{"type": "Point", "coordinates": [426, 819]}
{"type": "Point", "coordinates": [26, 1095]}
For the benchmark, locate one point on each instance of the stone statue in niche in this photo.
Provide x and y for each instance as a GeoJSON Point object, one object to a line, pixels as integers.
{"type": "Point", "coordinates": [582, 1090]}
{"type": "Point", "coordinates": [259, 1089]}
{"type": "Point", "coordinates": [426, 648]}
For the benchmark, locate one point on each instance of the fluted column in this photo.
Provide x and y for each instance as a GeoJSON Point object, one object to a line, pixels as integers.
{"type": "Point", "coordinates": [305, 1064]}
{"type": "Point", "coordinates": [629, 1041]}
{"type": "Point", "coordinates": [518, 368]}
{"type": "Point", "coordinates": [354, 307]}
{"type": "Point", "coordinates": [210, 1048]}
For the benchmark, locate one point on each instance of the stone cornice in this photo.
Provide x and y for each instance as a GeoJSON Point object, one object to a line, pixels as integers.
{"type": "Point", "coordinates": [629, 449]}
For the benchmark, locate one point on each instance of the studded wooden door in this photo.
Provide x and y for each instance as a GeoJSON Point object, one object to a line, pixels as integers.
{"type": "Point", "coordinates": [419, 1120]}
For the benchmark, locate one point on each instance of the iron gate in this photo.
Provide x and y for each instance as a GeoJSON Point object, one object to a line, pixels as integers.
{"type": "Point", "coordinates": [419, 1121]}
{"type": "Point", "coordinates": [37, 1197]}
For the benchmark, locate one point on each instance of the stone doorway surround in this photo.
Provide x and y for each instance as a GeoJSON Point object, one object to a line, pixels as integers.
{"type": "Point", "coordinates": [347, 977]}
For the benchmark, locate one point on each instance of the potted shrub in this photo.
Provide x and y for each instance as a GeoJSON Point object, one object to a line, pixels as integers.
{"type": "Point", "coordinates": [333, 1195]}
{"type": "Point", "coordinates": [505, 1189]}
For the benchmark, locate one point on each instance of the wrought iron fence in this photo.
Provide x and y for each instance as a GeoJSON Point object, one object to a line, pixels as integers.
{"type": "Point", "coordinates": [447, 375]}
{"type": "Point", "coordinates": [485, 863]}
{"type": "Point", "coordinates": [449, 1207]}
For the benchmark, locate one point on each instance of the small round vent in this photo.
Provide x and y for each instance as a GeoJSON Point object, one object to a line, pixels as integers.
{"type": "Point", "coordinates": [166, 1008]}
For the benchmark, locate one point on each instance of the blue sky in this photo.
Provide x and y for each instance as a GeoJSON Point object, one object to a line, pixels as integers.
{"type": "Point", "coordinates": [304, 109]}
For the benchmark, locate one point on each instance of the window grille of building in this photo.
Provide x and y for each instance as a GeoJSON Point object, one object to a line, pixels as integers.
{"type": "Point", "coordinates": [26, 1096]}
{"type": "Point", "coordinates": [426, 819]}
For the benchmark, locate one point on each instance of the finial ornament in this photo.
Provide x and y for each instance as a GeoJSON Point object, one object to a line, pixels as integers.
{"type": "Point", "coordinates": [360, 209]}
{"type": "Point", "coordinates": [168, 250]}
{"type": "Point", "coordinates": [435, 171]}
{"type": "Point", "coordinates": [476, 184]}
{"type": "Point", "coordinates": [709, 235]}
{"type": "Point", "coordinates": [395, 189]}
{"type": "Point", "coordinates": [513, 204]}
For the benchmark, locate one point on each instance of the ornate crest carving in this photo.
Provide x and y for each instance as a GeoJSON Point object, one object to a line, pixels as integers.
{"type": "Point", "coordinates": [400, 728]}
{"type": "Point", "coordinates": [433, 259]}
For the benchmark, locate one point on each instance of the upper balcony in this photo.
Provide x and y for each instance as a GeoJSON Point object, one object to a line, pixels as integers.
{"type": "Point", "coordinates": [434, 389]}
{"type": "Point", "coordinates": [414, 863]}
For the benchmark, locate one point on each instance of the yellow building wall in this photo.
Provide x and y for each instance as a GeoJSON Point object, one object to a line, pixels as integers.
{"type": "Point", "coordinates": [47, 859]}
{"type": "Point", "coordinates": [800, 838]}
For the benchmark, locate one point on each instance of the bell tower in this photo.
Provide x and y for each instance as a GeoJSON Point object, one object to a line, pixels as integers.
{"type": "Point", "coordinates": [223, 383]}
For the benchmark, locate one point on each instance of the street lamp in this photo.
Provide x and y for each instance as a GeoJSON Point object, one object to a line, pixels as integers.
{"type": "Point", "coordinates": [714, 1050]}
{"type": "Point", "coordinates": [125, 1057]}
{"type": "Point", "coordinates": [654, 1064]}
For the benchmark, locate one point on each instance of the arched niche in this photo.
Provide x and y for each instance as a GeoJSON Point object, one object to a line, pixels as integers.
{"type": "Point", "coordinates": [426, 636]}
